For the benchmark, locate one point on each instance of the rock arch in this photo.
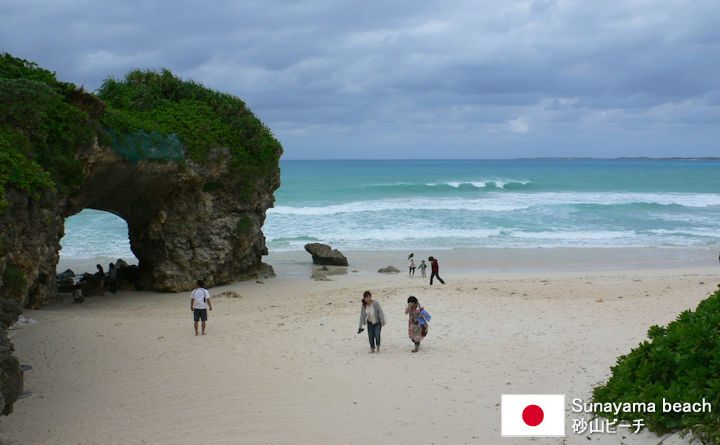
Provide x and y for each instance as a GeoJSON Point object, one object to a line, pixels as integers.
{"type": "Point", "coordinates": [192, 171]}
{"type": "Point", "coordinates": [180, 228]}
{"type": "Point", "coordinates": [185, 221]}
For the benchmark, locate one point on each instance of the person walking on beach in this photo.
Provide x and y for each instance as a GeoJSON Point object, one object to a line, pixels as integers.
{"type": "Point", "coordinates": [199, 304]}
{"type": "Point", "coordinates": [372, 313]}
{"type": "Point", "coordinates": [418, 319]}
{"type": "Point", "coordinates": [411, 265]}
{"type": "Point", "coordinates": [434, 269]}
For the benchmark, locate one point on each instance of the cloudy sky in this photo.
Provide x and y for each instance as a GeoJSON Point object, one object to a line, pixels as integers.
{"type": "Point", "coordinates": [414, 79]}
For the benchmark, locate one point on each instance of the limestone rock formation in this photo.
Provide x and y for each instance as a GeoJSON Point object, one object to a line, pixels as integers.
{"type": "Point", "coordinates": [178, 230]}
{"type": "Point", "coordinates": [194, 206]}
{"type": "Point", "coordinates": [192, 171]}
{"type": "Point", "coordinates": [325, 255]}
{"type": "Point", "coordinates": [389, 269]}
{"type": "Point", "coordinates": [10, 375]}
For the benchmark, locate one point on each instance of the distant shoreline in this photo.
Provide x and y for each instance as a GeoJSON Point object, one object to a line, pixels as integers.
{"type": "Point", "coordinates": [509, 259]}
{"type": "Point", "coordinates": [480, 259]}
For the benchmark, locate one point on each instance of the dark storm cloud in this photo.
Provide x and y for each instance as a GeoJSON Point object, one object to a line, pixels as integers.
{"type": "Point", "coordinates": [401, 78]}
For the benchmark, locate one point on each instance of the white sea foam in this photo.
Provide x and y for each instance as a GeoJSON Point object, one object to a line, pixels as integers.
{"type": "Point", "coordinates": [496, 205]}
{"type": "Point", "coordinates": [690, 231]}
{"type": "Point", "coordinates": [392, 237]}
{"type": "Point", "coordinates": [483, 183]}
{"type": "Point", "coordinates": [504, 202]}
{"type": "Point", "coordinates": [572, 235]}
{"type": "Point", "coordinates": [94, 233]}
{"type": "Point", "coordinates": [397, 234]}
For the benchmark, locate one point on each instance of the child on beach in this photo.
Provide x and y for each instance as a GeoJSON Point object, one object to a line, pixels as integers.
{"type": "Point", "coordinates": [422, 268]}
{"type": "Point", "coordinates": [417, 322]}
{"type": "Point", "coordinates": [372, 313]}
{"type": "Point", "coordinates": [411, 265]}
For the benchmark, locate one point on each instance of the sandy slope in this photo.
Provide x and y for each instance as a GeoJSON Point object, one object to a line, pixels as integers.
{"type": "Point", "coordinates": [283, 363]}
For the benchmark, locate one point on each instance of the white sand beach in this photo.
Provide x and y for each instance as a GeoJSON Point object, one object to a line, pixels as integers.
{"type": "Point", "coordinates": [282, 362]}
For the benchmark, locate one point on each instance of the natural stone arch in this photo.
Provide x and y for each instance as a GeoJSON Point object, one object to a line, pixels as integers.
{"type": "Point", "coordinates": [192, 171]}
{"type": "Point", "coordinates": [183, 223]}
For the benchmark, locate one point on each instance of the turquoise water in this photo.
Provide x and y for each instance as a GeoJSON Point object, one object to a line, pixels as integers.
{"type": "Point", "coordinates": [444, 204]}
{"type": "Point", "coordinates": [516, 203]}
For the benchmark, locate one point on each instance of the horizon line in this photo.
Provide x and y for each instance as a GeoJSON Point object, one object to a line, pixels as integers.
{"type": "Point", "coordinates": [536, 158]}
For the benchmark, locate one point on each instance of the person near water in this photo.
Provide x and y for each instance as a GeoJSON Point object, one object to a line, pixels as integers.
{"type": "Point", "coordinates": [113, 278]}
{"type": "Point", "coordinates": [100, 274]}
{"type": "Point", "coordinates": [434, 269]}
{"type": "Point", "coordinates": [411, 265]}
{"type": "Point", "coordinates": [199, 304]}
{"type": "Point", "coordinates": [372, 314]}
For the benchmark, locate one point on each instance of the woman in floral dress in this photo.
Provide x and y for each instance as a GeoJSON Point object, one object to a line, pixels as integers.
{"type": "Point", "coordinates": [417, 322]}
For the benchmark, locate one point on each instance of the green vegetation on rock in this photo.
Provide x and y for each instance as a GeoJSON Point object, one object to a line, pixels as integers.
{"type": "Point", "coordinates": [680, 363]}
{"type": "Point", "coordinates": [244, 224]}
{"type": "Point", "coordinates": [148, 115]}
{"type": "Point", "coordinates": [14, 282]}
{"type": "Point", "coordinates": [159, 102]}
{"type": "Point", "coordinates": [42, 124]}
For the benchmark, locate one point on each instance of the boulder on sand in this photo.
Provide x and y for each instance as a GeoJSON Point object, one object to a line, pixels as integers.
{"type": "Point", "coordinates": [389, 269]}
{"type": "Point", "coordinates": [326, 255]}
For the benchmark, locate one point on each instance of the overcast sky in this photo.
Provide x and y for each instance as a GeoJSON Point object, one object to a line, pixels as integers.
{"type": "Point", "coordinates": [414, 79]}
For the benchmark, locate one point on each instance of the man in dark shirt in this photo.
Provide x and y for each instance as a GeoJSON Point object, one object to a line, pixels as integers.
{"type": "Point", "coordinates": [434, 268]}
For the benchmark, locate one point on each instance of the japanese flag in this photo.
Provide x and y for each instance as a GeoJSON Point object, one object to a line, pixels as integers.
{"type": "Point", "coordinates": [535, 415]}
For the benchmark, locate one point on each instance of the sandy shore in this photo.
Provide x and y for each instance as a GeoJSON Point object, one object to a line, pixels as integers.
{"type": "Point", "coordinates": [282, 363]}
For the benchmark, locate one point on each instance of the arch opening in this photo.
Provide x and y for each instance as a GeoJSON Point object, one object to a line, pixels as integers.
{"type": "Point", "coordinates": [94, 237]}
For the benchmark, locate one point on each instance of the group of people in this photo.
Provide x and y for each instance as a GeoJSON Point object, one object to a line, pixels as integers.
{"type": "Point", "coordinates": [371, 313]}
{"type": "Point", "coordinates": [434, 268]}
{"type": "Point", "coordinates": [111, 278]}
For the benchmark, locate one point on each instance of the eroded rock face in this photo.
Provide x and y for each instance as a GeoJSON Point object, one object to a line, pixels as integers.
{"type": "Point", "coordinates": [10, 375]}
{"type": "Point", "coordinates": [186, 219]}
{"type": "Point", "coordinates": [180, 228]}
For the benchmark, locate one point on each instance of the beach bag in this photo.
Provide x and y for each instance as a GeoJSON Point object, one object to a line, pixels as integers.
{"type": "Point", "coordinates": [424, 328]}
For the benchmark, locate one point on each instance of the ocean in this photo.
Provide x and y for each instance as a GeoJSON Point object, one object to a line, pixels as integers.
{"type": "Point", "coordinates": [444, 204]}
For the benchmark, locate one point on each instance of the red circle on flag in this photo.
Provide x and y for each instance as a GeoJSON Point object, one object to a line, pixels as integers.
{"type": "Point", "coordinates": [533, 415]}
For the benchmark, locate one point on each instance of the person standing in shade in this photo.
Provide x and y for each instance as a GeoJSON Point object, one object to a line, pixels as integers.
{"type": "Point", "coordinates": [372, 313]}
{"type": "Point", "coordinates": [411, 265]}
{"type": "Point", "coordinates": [113, 278]}
{"type": "Point", "coordinates": [100, 274]}
{"type": "Point", "coordinates": [199, 304]}
{"type": "Point", "coordinates": [434, 269]}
